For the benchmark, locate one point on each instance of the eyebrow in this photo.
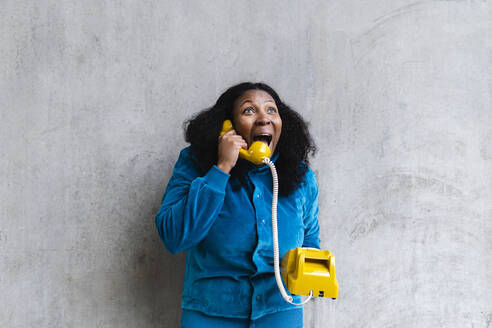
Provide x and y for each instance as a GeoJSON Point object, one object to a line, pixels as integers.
{"type": "Point", "coordinates": [247, 100]}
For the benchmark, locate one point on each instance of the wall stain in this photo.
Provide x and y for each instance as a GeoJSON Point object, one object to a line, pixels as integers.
{"type": "Point", "coordinates": [368, 224]}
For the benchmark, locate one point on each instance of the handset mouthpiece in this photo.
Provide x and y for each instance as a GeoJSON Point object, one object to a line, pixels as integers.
{"type": "Point", "coordinates": [256, 153]}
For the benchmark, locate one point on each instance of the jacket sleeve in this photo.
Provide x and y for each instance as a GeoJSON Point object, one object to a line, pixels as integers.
{"type": "Point", "coordinates": [311, 226]}
{"type": "Point", "coordinates": [190, 204]}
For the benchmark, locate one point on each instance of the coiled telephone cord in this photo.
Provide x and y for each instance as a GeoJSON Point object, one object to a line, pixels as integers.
{"type": "Point", "coordinates": [276, 261]}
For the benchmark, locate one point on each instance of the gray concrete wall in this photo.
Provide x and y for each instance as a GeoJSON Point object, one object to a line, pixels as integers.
{"type": "Point", "coordinates": [92, 98]}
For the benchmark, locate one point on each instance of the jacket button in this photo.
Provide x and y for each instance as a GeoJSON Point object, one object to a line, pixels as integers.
{"type": "Point", "coordinates": [258, 298]}
{"type": "Point", "coordinates": [263, 221]}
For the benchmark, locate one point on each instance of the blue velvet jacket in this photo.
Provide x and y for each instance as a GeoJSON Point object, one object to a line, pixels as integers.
{"type": "Point", "coordinates": [225, 227]}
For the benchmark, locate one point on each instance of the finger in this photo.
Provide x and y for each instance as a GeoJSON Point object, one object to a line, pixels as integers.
{"type": "Point", "coordinates": [237, 138]}
{"type": "Point", "coordinates": [230, 133]}
{"type": "Point", "coordinates": [227, 135]}
{"type": "Point", "coordinates": [239, 143]}
{"type": "Point", "coordinates": [243, 141]}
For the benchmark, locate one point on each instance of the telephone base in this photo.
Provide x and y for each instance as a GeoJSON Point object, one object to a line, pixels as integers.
{"type": "Point", "coordinates": [306, 270]}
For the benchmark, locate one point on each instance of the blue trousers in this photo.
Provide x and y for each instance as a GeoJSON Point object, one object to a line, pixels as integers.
{"type": "Point", "coordinates": [284, 319]}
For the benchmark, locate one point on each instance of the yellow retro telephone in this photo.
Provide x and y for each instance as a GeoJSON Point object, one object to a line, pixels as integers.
{"type": "Point", "coordinates": [305, 271]}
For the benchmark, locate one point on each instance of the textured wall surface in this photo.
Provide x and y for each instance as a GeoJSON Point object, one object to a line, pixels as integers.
{"type": "Point", "coordinates": [93, 95]}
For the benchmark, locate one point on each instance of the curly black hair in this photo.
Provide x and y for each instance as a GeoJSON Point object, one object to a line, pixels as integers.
{"type": "Point", "coordinates": [294, 147]}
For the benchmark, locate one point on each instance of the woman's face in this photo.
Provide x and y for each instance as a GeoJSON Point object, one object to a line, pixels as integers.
{"type": "Point", "coordinates": [256, 118]}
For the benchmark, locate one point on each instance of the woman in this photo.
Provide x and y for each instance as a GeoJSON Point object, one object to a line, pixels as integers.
{"type": "Point", "coordinates": [217, 207]}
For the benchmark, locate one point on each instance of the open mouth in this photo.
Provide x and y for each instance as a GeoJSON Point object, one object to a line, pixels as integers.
{"type": "Point", "coordinates": [265, 138]}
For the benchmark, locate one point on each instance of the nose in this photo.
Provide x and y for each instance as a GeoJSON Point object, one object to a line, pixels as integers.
{"type": "Point", "coordinates": [262, 119]}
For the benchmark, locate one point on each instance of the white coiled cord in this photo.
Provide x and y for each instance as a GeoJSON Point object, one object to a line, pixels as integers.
{"type": "Point", "coordinates": [276, 261]}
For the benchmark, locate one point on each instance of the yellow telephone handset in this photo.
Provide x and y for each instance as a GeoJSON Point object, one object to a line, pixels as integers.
{"type": "Point", "coordinates": [256, 153]}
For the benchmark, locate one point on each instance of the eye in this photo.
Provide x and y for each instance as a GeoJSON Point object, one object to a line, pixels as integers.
{"type": "Point", "coordinates": [249, 110]}
{"type": "Point", "coordinates": [272, 110]}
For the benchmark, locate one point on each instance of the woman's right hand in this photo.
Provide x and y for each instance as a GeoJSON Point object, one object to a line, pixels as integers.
{"type": "Point", "coordinates": [229, 145]}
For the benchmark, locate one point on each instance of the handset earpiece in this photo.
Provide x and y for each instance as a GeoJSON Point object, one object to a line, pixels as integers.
{"type": "Point", "coordinates": [256, 153]}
